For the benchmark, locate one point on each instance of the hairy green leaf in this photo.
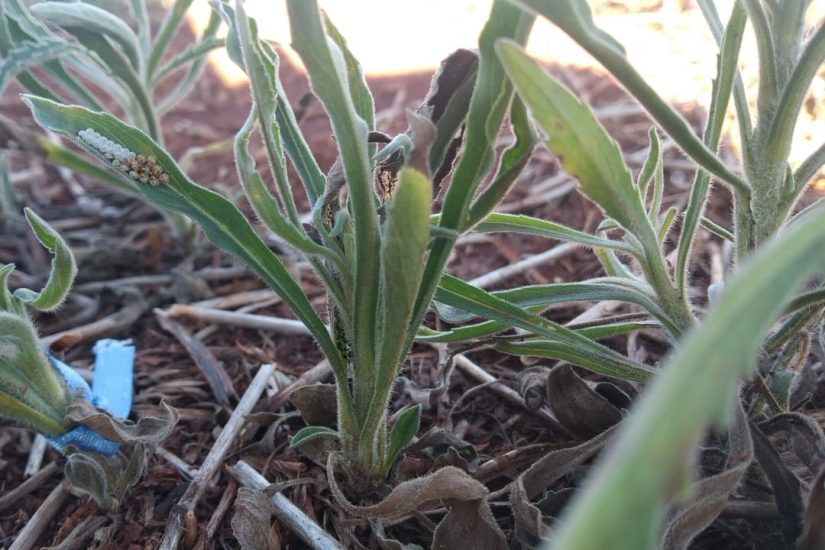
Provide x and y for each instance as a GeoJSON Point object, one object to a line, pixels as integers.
{"type": "Point", "coordinates": [63, 267]}
{"type": "Point", "coordinates": [93, 19]}
{"type": "Point", "coordinates": [582, 145]}
{"type": "Point", "coordinates": [222, 223]}
{"type": "Point", "coordinates": [648, 464]}
{"type": "Point", "coordinates": [310, 433]}
{"type": "Point", "coordinates": [518, 223]}
{"type": "Point", "coordinates": [403, 431]}
{"type": "Point", "coordinates": [581, 350]}
{"type": "Point", "coordinates": [575, 18]}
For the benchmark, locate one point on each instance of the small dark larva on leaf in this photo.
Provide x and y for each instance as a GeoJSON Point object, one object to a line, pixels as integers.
{"type": "Point", "coordinates": [142, 168]}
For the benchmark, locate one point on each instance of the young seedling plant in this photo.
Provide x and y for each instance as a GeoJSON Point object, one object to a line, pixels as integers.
{"type": "Point", "coordinates": [370, 238]}
{"type": "Point", "coordinates": [760, 322]}
{"type": "Point", "coordinates": [65, 41]}
{"type": "Point", "coordinates": [39, 394]}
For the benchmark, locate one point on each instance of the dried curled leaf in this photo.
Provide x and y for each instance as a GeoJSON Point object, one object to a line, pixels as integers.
{"type": "Point", "coordinates": [469, 522]}
{"type": "Point", "coordinates": [709, 495]}
{"type": "Point", "coordinates": [802, 441]}
{"type": "Point", "coordinates": [446, 450]}
{"type": "Point", "coordinates": [813, 537]}
{"type": "Point", "coordinates": [316, 403]}
{"type": "Point", "coordinates": [579, 409]}
{"type": "Point", "coordinates": [531, 384]}
{"type": "Point", "coordinates": [148, 430]}
{"type": "Point", "coordinates": [251, 520]}
{"type": "Point", "coordinates": [383, 542]}
{"type": "Point", "coordinates": [540, 476]}
{"type": "Point", "coordinates": [786, 486]}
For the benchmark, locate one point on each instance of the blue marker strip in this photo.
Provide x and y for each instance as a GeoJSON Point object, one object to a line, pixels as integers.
{"type": "Point", "coordinates": [111, 391]}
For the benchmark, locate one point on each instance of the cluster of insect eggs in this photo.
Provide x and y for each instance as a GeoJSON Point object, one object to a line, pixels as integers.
{"type": "Point", "coordinates": [143, 168]}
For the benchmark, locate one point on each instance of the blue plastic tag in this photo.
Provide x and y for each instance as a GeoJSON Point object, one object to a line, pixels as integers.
{"type": "Point", "coordinates": [111, 391]}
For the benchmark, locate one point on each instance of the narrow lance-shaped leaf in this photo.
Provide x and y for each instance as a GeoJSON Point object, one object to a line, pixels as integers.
{"type": "Point", "coordinates": [262, 69]}
{"type": "Point", "coordinates": [648, 464]}
{"type": "Point", "coordinates": [513, 161]}
{"type": "Point", "coordinates": [194, 71]}
{"type": "Point", "coordinates": [264, 203]}
{"type": "Point", "coordinates": [583, 147]}
{"type": "Point", "coordinates": [221, 221]}
{"type": "Point", "coordinates": [403, 246]}
{"type": "Point", "coordinates": [583, 352]}
{"type": "Point", "coordinates": [63, 269]}
{"type": "Point", "coordinates": [358, 89]}
{"type": "Point", "coordinates": [403, 431]}
{"type": "Point", "coordinates": [327, 74]}
{"type": "Point", "coordinates": [30, 55]}
{"type": "Point", "coordinates": [575, 19]}
{"type": "Point", "coordinates": [93, 19]}
{"type": "Point", "coordinates": [726, 72]}
{"type": "Point", "coordinates": [488, 105]}
{"type": "Point", "coordinates": [518, 223]}
{"type": "Point", "coordinates": [294, 142]}
{"type": "Point", "coordinates": [310, 433]}
{"type": "Point", "coordinates": [171, 24]}
{"type": "Point", "coordinates": [783, 122]}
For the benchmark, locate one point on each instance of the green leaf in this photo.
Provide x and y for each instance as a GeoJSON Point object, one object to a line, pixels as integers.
{"type": "Point", "coordinates": [63, 267]}
{"type": "Point", "coordinates": [310, 433]}
{"type": "Point", "coordinates": [478, 331]}
{"type": "Point", "coordinates": [403, 245]}
{"type": "Point", "coordinates": [192, 53]}
{"type": "Point", "coordinates": [403, 431]}
{"type": "Point", "coordinates": [195, 69]}
{"type": "Point", "coordinates": [17, 26]}
{"type": "Point", "coordinates": [32, 393]}
{"type": "Point", "coordinates": [582, 145]}
{"type": "Point", "coordinates": [294, 142]}
{"type": "Point", "coordinates": [575, 19]}
{"type": "Point", "coordinates": [491, 97]}
{"type": "Point", "coordinates": [518, 223]}
{"type": "Point", "coordinates": [7, 300]}
{"type": "Point", "coordinates": [327, 74]}
{"type": "Point", "coordinates": [651, 459]}
{"type": "Point", "coordinates": [783, 121]}
{"type": "Point", "coordinates": [581, 351]}
{"type": "Point", "coordinates": [261, 64]}
{"type": "Point", "coordinates": [93, 19]}
{"type": "Point", "coordinates": [599, 289]}
{"type": "Point", "coordinates": [221, 221]}
{"type": "Point", "coordinates": [652, 161]}
{"type": "Point", "coordinates": [171, 23]}
{"type": "Point", "coordinates": [264, 204]}
{"type": "Point", "coordinates": [513, 161]}
{"type": "Point", "coordinates": [28, 55]}
{"type": "Point", "coordinates": [116, 63]}
{"type": "Point", "coordinates": [768, 84]}
{"type": "Point", "coordinates": [808, 169]}
{"type": "Point", "coordinates": [726, 72]}
{"type": "Point", "coordinates": [358, 89]}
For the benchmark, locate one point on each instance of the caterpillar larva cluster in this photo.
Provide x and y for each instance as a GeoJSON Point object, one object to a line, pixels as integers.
{"type": "Point", "coordinates": [143, 168]}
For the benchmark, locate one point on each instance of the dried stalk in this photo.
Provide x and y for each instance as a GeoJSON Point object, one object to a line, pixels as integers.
{"type": "Point", "coordinates": [41, 519]}
{"type": "Point", "coordinates": [213, 461]}
{"type": "Point", "coordinates": [289, 514]}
